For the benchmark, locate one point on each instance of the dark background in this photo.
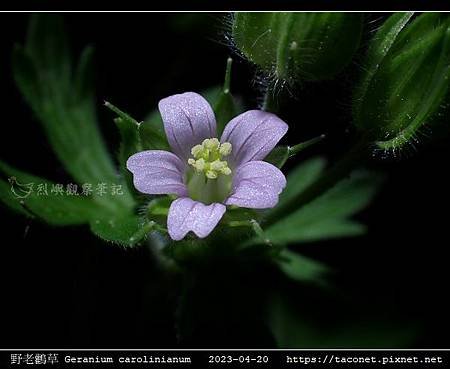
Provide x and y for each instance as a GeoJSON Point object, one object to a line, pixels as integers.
{"type": "Point", "coordinates": [60, 287]}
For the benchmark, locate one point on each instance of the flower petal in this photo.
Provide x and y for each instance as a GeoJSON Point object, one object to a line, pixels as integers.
{"type": "Point", "coordinates": [157, 172]}
{"type": "Point", "coordinates": [256, 185]}
{"type": "Point", "coordinates": [253, 135]}
{"type": "Point", "coordinates": [188, 215]}
{"type": "Point", "coordinates": [188, 120]}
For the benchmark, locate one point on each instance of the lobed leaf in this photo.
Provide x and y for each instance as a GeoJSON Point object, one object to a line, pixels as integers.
{"type": "Point", "coordinates": [125, 229]}
{"type": "Point", "coordinates": [278, 156]}
{"type": "Point", "coordinates": [327, 216]}
{"type": "Point", "coordinates": [63, 101]}
{"type": "Point", "coordinates": [301, 177]}
{"type": "Point", "coordinates": [22, 195]}
{"type": "Point", "coordinates": [301, 268]}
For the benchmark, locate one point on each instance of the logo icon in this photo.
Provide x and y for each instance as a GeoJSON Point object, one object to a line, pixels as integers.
{"type": "Point", "coordinates": [20, 190]}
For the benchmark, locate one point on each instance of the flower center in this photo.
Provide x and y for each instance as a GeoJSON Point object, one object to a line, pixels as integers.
{"type": "Point", "coordinates": [208, 158]}
{"type": "Point", "coordinates": [209, 178]}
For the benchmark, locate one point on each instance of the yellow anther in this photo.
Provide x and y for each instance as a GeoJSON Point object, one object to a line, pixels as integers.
{"type": "Point", "coordinates": [207, 158]}
{"type": "Point", "coordinates": [225, 149]}
{"type": "Point", "coordinates": [197, 151]}
{"type": "Point", "coordinates": [218, 165]}
{"type": "Point", "coordinates": [211, 144]}
{"type": "Point", "coordinates": [226, 171]}
{"type": "Point", "coordinates": [200, 164]}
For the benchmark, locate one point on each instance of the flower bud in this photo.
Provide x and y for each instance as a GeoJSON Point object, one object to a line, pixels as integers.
{"type": "Point", "coordinates": [406, 79]}
{"type": "Point", "coordinates": [298, 46]}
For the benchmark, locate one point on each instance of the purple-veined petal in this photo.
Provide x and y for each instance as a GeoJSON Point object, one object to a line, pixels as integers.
{"type": "Point", "coordinates": [157, 172]}
{"type": "Point", "coordinates": [253, 135]}
{"type": "Point", "coordinates": [187, 215]}
{"type": "Point", "coordinates": [256, 184]}
{"type": "Point", "coordinates": [188, 120]}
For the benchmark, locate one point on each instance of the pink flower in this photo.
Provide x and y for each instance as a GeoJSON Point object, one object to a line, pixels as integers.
{"type": "Point", "coordinates": [207, 174]}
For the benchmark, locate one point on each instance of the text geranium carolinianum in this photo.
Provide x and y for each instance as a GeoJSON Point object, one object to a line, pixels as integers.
{"type": "Point", "coordinates": [207, 173]}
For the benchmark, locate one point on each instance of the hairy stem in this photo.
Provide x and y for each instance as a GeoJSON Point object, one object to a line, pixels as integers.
{"type": "Point", "coordinates": [270, 103]}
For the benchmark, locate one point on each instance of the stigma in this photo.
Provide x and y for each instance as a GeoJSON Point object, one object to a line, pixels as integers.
{"type": "Point", "coordinates": [207, 158]}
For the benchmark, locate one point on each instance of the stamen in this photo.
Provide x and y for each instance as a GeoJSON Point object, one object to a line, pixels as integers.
{"type": "Point", "coordinates": [200, 164]}
{"type": "Point", "coordinates": [218, 165]}
{"type": "Point", "coordinates": [226, 171]}
{"type": "Point", "coordinates": [207, 158]}
{"type": "Point", "coordinates": [225, 149]}
{"type": "Point", "coordinates": [211, 143]}
{"type": "Point", "coordinates": [196, 151]}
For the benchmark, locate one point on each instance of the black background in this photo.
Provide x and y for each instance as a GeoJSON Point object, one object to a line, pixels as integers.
{"type": "Point", "coordinates": [63, 288]}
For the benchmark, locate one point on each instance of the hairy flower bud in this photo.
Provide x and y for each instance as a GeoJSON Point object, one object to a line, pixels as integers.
{"type": "Point", "coordinates": [294, 46]}
{"type": "Point", "coordinates": [406, 78]}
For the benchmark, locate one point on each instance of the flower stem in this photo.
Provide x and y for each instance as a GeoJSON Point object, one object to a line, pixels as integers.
{"type": "Point", "coordinates": [259, 232]}
{"type": "Point", "coordinates": [227, 82]}
{"type": "Point", "coordinates": [270, 102]}
{"type": "Point", "coordinates": [293, 150]}
{"type": "Point", "coordinates": [255, 226]}
{"type": "Point", "coordinates": [356, 156]}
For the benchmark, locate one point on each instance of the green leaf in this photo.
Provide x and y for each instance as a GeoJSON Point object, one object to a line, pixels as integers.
{"type": "Point", "coordinates": [294, 150]}
{"type": "Point", "coordinates": [327, 216]}
{"type": "Point", "coordinates": [33, 196]}
{"type": "Point", "coordinates": [292, 46]}
{"type": "Point", "coordinates": [122, 115]}
{"type": "Point", "coordinates": [295, 230]}
{"type": "Point", "coordinates": [130, 142]}
{"type": "Point", "coordinates": [301, 177]}
{"type": "Point", "coordinates": [295, 328]}
{"type": "Point", "coordinates": [48, 47]}
{"type": "Point", "coordinates": [224, 106]}
{"type": "Point", "coordinates": [278, 156]}
{"type": "Point", "coordinates": [152, 134]}
{"type": "Point", "coordinates": [26, 77]}
{"type": "Point", "coordinates": [36, 197]}
{"type": "Point", "coordinates": [301, 268]}
{"type": "Point", "coordinates": [159, 205]}
{"type": "Point", "coordinates": [129, 145]}
{"type": "Point", "coordinates": [84, 76]}
{"type": "Point", "coordinates": [7, 198]}
{"type": "Point", "coordinates": [63, 102]}
{"type": "Point", "coordinates": [125, 229]}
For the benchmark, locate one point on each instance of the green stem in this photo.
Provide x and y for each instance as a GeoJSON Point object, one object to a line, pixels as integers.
{"type": "Point", "coordinates": [255, 226]}
{"type": "Point", "coordinates": [147, 228]}
{"type": "Point", "coordinates": [239, 223]}
{"type": "Point", "coordinates": [294, 150]}
{"type": "Point", "coordinates": [259, 232]}
{"type": "Point", "coordinates": [270, 103]}
{"type": "Point", "coordinates": [356, 156]}
{"type": "Point", "coordinates": [227, 82]}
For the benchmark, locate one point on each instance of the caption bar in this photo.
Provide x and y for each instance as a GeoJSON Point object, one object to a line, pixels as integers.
{"type": "Point", "coordinates": [224, 358]}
